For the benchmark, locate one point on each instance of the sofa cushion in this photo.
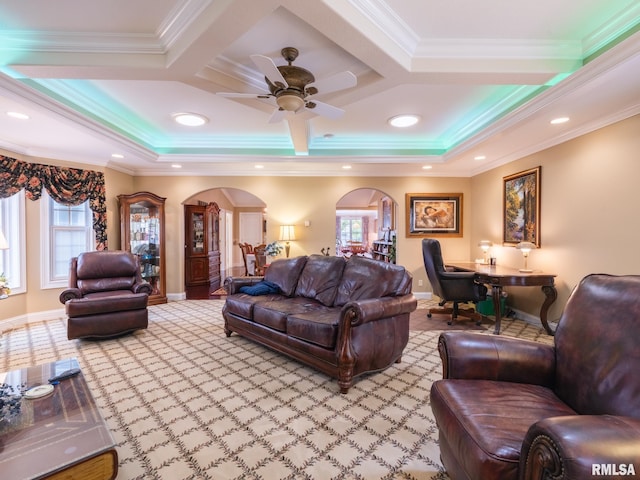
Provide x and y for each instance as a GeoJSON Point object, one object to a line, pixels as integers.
{"type": "Point", "coordinates": [320, 277]}
{"type": "Point", "coordinates": [285, 273]}
{"type": "Point", "coordinates": [242, 304]}
{"type": "Point", "coordinates": [319, 326]}
{"type": "Point", "coordinates": [274, 314]}
{"type": "Point", "coordinates": [365, 278]}
{"type": "Point", "coordinates": [471, 416]}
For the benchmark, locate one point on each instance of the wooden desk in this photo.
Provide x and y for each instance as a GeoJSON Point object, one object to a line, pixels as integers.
{"type": "Point", "coordinates": [498, 277]}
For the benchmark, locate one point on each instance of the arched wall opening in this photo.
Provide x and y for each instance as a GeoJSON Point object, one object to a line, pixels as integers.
{"type": "Point", "coordinates": [242, 219]}
{"type": "Point", "coordinates": [366, 224]}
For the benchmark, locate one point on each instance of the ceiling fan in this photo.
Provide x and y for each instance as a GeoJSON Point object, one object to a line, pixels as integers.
{"type": "Point", "coordinates": [293, 88]}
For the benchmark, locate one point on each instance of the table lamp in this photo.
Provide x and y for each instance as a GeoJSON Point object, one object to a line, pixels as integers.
{"type": "Point", "coordinates": [525, 248]}
{"type": "Point", "coordinates": [287, 233]}
{"type": "Point", "coordinates": [485, 245]}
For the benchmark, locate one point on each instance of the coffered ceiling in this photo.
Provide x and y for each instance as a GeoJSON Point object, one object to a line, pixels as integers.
{"type": "Point", "coordinates": [485, 79]}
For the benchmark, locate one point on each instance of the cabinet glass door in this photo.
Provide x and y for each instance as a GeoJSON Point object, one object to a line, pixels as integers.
{"type": "Point", "coordinates": [197, 233]}
{"type": "Point", "coordinates": [144, 241]}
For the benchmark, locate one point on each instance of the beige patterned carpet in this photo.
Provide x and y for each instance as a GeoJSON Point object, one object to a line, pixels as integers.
{"type": "Point", "coordinates": [183, 401]}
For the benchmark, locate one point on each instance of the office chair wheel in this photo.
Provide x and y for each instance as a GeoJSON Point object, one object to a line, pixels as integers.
{"type": "Point", "coordinates": [429, 315]}
{"type": "Point", "coordinates": [450, 322]}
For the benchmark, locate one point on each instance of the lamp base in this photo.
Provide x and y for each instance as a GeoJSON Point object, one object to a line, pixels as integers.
{"type": "Point", "coordinates": [525, 270]}
{"type": "Point", "coordinates": [287, 249]}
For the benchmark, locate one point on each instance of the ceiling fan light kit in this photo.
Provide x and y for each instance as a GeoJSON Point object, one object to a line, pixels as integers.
{"type": "Point", "coordinates": [290, 102]}
{"type": "Point", "coordinates": [294, 88]}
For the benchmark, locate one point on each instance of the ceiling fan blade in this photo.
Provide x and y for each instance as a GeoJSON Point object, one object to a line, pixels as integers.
{"type": "Point", "coordinates": [325, 110]}
{"type": "Point", "coordinates": [277, 115]}
{"type": "Point", "coordinates": [244, 95]}
{"type": "Point", "coordinates": [336, 82]}
{"type": "Point", "coordinates": [269, 69]}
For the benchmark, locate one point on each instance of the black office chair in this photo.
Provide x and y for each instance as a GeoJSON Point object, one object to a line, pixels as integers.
{"type": "Point", "coordinates": [449, 286]}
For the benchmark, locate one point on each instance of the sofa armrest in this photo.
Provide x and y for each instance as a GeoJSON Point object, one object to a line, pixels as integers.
{"type": "Point", "coordinates": [70, 294]}
{"type": "Point", "coordinates": [363, 311]}
{"type": "Point", "coordinates": [491, 357]}
{"type": "Point", "coordinates": [142, 287]}
{"type": "Point", "coordinates": [232, 284]}
{"type": "Point", "coordinates": [581, 446]}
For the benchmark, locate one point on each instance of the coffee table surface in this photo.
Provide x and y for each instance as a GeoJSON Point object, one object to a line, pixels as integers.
{"type": "Point", "coordinates": [53, 432]}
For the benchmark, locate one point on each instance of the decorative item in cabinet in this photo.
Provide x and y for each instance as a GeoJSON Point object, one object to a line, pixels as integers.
{"type": "Point", "coordinates": [142, 233]}
{"type": "Point", "coordinates": [202, 252]}
{"type": "Point", "coordinates": [385, 248]}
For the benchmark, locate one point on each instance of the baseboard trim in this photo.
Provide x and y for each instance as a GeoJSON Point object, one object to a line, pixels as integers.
{"type": "Point", "coordinates": [35, 317]}
{"type": "Point", "coordinates": [423, 295]}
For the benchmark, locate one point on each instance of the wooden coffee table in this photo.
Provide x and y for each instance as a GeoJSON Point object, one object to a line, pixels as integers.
{"type": "Point", "coordinates": [59, 436]}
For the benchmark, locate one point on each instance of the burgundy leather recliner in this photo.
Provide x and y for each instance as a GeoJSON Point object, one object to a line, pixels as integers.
{"type": "Point", "coordinates": [106, 296]}
{"type": "Point", "coordinates": [516, 409]}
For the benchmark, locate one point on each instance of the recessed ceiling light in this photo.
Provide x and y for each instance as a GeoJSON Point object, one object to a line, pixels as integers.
{"type": "Point", "coordinates": [559, 120]}
{"type": "Point", "coordinates": [402, 121]}
{"type": "Point", "coordinates": [18, 115]}
{"type": "Point", "coordinates": [427, 167]}
{"type": "Point", "coordinates": [176, 165]}
{"type": "Point", "coordinates": [346, 167]}
{"type": "Point", "coordinates": [190, 119]}
{"type": "Point", "coordinates": [259, 166]}
{"type": "Point", "coordinates": [117, 155]}
{"type": "Point", "coordinates": [480, 157]}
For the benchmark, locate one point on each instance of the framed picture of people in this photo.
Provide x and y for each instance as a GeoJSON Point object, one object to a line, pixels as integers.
{"type": "Point", "coordinates": [434, 214]}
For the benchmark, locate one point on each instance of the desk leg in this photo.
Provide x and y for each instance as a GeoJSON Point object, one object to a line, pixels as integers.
{"type": "Point", "coordinates": [550, 295]}
{"type": "Point", "coordinates": [496, 292]}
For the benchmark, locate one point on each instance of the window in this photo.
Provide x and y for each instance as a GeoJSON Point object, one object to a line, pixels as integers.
{"type": "Point", "coordinates": [350, 230]}
{"type": "Point", "coordinates": [12, 224]}
{"type": "Point", "coordinates": [67, 231]}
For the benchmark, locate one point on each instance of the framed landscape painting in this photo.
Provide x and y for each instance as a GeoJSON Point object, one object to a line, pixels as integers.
{"type": "Point", "coordinates": [434, 214]}
{"type": "Point", "coordinates": [521, 210]}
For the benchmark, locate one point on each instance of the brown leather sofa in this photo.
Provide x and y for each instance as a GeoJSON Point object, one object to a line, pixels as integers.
{"type": "Point", "coordinates": [515, 409]}
{"type": "Point", "coordinates": [106, 295]}
{"type": "Point", "coordinates": [343, 317]}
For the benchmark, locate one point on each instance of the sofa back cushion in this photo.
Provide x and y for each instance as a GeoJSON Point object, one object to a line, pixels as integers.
{"type": "Point", "coordinates": [285, 273]}
{"type": "Point", "coordinates": [320, 277]}
{"type": "Point", "coordinates": [597, 354]}
{"type": "Point", "coordinates": [365, 278]}
{"type": "Point", "coordinates": [106, 270]}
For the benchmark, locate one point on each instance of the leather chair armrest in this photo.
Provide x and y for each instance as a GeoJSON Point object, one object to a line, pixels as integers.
{"type": "Point", "coordinates": [581, 446]}
{"type": "Point", "coordinates": [70, 294]}
{"type": "Point", "coordinates": [142, 287]}
{"type": "Point", "coordinates": [491, 357]}
{"type": "Point", "coordinates": [363, 311]}
{"type": "Point", "coordinates": [232, 284]}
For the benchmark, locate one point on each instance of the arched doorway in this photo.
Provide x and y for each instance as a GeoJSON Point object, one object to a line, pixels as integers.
{"type": "Point", "coordinates": [366, 225]}
{"type": "Point", "coordinates": [242, 219]}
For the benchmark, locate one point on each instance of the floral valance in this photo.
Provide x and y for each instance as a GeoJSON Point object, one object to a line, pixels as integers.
{"type": "Point", "coordinates": [68, 186]}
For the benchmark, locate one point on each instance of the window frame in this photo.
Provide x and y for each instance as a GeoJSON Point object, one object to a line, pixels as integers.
{"type": "Point", "coordinates": [12, 212]}
{"type": "Point", "coordinates": [48, 278]}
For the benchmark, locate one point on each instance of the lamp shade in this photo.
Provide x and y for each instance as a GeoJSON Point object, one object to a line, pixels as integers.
{"type": "Point", "coordinates": [4, 245]}
{"type": "Point", "coordinates": [287, 233]}
{"type": "Point", "coordinates": [525, 247]}
{"type": "Point", "coordinates": [485, 244]}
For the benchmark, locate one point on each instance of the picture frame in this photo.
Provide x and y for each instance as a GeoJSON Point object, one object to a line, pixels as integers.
{"type": "Point", "coordinates": [521, 207]}
{"type": "Point", "coordinates": [434, 214]}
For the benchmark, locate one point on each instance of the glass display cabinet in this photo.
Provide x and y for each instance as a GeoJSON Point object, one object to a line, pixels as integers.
{"type": "Point", "coordinates": [142, 233]}
{"type": "Point", "coordinates": [202, 251]}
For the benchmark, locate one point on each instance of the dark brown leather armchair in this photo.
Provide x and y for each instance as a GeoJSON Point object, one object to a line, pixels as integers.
{"type": "Point", "coordinates": [515, 409]}
{"type": "Point", "coordinates": [455, 287]}
{"type": "Point", "coordinates": [106, 295]}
